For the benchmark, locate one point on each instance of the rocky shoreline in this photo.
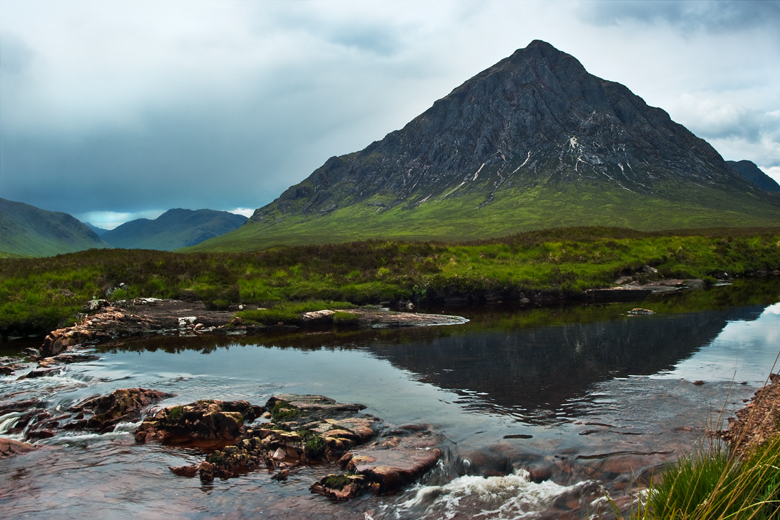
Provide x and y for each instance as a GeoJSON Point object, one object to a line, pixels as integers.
{"type": "Point", "coordinates": [111, 322]}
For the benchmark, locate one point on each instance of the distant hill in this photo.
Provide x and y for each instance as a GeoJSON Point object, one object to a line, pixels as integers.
{"type": "Point", "coordinates": [29, 231]}
{"type": "Point", "coordinates": [754, 174]}
{"type": "Point", "coordinates": [174, 229]}
{"type": "Point", "coordinates": [532, 142]}
{"type": "Point", "coordinates": [98, 231]}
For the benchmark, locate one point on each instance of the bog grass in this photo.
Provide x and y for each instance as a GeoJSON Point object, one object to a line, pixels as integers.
{"type": "Point", "coordinates": [38, 294]}
{"type": "Point", "coordinates": [712, 484]}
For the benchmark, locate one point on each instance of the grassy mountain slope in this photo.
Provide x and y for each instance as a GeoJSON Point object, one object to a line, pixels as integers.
{"type": "Point", "coordinates": [29, 231]}
{"type": "Point", "coordinates": [173, 229]}
{"type": "Point", "coordinates": [518, 210]}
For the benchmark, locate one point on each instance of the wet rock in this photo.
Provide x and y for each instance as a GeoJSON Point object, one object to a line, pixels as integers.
{"type": "Point", "coordinates": [184, 471]}
{"type": "Point", "coordinates": [638, 311]}
{"type": "Point", "coordinates": [10, 447]}
{"type": "Point", "coordinates": [339, 487]}
{"type": "Point", "coordinates": [392, 462]}
{"type": "Point", "coordinates": [201, 420]}
{"type": "Point", "coordinates": [281, 475]}
{"type": "Point", "coordinates": [10, 368]}
{"type": "Point", "coordinates": [40, 372]}
{"type": "Point", "coordinates": [123, 405]}
{"type": "Point", "coordinates": [40, 434]}
{"type": "Point", "coordinates": [313, 429]}
{"type": "Point", "coordinates": [75, 358]}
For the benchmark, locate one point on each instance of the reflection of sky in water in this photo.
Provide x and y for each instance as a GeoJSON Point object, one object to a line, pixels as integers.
{"type": "Point", "coordinates": [748, 348]}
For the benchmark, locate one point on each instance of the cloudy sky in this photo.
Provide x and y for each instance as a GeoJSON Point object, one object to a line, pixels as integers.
{"type": "Point", "coordinates": [114, 110]}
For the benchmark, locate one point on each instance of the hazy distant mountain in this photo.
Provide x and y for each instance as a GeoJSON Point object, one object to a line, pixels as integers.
{"type": "Point", "coordinates": [173, 229]}
{"type": "Point", "coordinates": [754, 174]}
{"type": "Point", "coordinates": [98, 231]}
{"type": "Point", "coordinates": [30, 231]}
{"type": "Point", "coordinates": [533, 142]}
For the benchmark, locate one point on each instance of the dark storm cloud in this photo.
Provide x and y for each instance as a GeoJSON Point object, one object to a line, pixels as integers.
{"type": "Point", "coordinates": [127, 107]}
{"type": "Point", "coordinates": [712, 15]}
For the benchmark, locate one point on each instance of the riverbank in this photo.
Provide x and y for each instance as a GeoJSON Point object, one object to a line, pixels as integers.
{"type": "Point", "coordinates": [537, 268]}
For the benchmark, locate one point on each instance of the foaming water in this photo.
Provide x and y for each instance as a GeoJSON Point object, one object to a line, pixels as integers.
{"type": "Point", "coordinates": [540, 421]}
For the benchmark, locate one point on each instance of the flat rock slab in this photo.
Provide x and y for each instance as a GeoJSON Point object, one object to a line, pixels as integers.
{"type": "Point", "coordinates": [10, 447]}
{"type": "Point", "coordinates": [397, 460]}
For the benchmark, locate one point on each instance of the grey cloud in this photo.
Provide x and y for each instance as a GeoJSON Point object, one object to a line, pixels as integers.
{"type": "Point", "coordinates": [748, 125]}
{"type": "Point", "coordinates": [365, 35]}
{"type": "Point", "coordinates": [15, 55]}
{"type": "Point", "coordinates": [711, 15]}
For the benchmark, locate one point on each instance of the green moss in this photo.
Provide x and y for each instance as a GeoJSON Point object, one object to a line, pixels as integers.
{"type": "Point", "coordinates": [336, 481]}
{"type": "Point", "coordinates": [283, 411]}
{"type": "Point", "coordinates": [175, 413]}
{"type": "Point", "coordinates": [216, 458]}
{"type": "Point", "coordinates": [314, 445]}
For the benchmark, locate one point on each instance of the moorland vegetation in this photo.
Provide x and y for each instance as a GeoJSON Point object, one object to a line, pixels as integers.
{"type": "Point", "coordinates": [39, 294]}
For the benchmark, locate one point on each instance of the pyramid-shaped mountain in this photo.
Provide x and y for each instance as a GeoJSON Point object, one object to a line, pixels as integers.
{"type": "Point", "coordinates": [533, 142]}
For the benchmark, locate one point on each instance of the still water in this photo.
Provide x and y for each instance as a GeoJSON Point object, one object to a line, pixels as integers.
{"type": "Point", "coordinates": [587, 398]}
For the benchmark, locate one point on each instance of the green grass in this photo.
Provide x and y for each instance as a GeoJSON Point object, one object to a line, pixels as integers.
{"type": "Point", "coordinates": [713, 485]}
{"type": "Point", "coordinates": [290, 312]}
{"type": "Point", "coordinates": [39, 294]}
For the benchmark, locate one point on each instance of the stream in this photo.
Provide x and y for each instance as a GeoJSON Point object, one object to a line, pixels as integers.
{"type": "Point", "coordinates": [545, 411]}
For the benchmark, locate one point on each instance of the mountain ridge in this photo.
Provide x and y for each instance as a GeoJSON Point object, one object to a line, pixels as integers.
{"type": "Point", "coordinates": [29, 231]}
{"type": "Point", "coordinates": [754, 174]}
{"type": "Point", "coordinates": [174, 229]}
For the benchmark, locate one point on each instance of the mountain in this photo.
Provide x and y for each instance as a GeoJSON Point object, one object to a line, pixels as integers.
{"type": "Point", "coordinates": [98, 231]}
{"type": "Point", "coordinates": [29, 231]}
{"type": "Point", "coordinates": [174, 229]}
{"type": "Point", "coordinates": [533, 142]}
{"type": "Point", "coordinates": [754, 174]}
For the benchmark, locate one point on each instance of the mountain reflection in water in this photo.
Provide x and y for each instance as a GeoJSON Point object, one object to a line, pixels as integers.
{"type": "Point", "coordinates": [583, 392]}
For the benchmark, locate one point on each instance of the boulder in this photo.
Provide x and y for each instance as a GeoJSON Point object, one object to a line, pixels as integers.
{"type": "Point", "coordinates": [120, 405]}
{"type": "Point", "coordinates": [201, 420]}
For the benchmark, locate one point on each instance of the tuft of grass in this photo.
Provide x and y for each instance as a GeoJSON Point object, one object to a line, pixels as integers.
{"type": "Point", "coordinates": [290, 312]}
{"type": "Point", "coordinates": [344, 319]}
{"type": "Point", "coordinates": [714, 485]}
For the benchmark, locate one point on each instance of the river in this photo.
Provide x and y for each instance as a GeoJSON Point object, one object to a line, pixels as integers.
{"type": "Point", "coordinates": [590, 399]}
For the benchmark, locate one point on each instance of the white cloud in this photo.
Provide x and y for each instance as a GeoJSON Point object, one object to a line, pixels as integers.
{"type": "Point", "coordinates": [111, 219]}
{"type": "Point", "coordinates": [772, 171]}
{"type": "Point", "coordinates": [247, 212]}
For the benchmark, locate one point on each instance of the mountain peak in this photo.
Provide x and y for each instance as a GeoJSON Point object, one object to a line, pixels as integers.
{"type": "Point", "coordinates": [535, 122]}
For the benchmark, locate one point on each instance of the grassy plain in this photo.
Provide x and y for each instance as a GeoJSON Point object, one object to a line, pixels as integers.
{"type": "Point", "coordinates": [38, 294]}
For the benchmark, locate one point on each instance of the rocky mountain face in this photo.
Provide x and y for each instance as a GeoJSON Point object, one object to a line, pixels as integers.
{"type": "Point", "coordinates": [537, 117]}
{"type": "Point", "coordinates": [174, 229]}
{"type": "Point", "coordinates": [754, 174]}
{"type": "Point", "coordinates": [30, 231]}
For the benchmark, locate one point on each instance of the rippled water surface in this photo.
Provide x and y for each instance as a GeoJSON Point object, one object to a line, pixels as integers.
{"type": "Point", "coordinates": [586, 399]}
